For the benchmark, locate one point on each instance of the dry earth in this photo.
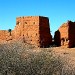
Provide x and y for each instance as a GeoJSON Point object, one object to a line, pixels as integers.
{"type": "Point", "coordinates": [67, 54]}
{"type": "Point", "coordinates": [23, 59]}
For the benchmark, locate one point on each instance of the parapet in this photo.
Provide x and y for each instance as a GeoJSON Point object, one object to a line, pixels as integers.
{"type": "Point", "coordinates": [32, 17]}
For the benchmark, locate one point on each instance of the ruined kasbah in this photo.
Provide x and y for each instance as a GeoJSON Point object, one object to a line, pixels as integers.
{"type": "Point", "coordinates": [35, 30]}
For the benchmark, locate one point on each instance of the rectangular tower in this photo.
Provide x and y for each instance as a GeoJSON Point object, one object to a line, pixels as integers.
{"type": "Point", "coordinates": [33, 30]}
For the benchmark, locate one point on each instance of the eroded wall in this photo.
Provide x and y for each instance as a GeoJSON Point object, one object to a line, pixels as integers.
{"type": "Point", "coordinates": [66, 35]}
{"type": "Point", "coordinates": [33, 30]}
{"type": "Point", "coordinates": [6, 36]}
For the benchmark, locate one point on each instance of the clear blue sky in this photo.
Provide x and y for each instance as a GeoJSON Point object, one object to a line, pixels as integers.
{"type": "Point", "coordinates": [58, 11]}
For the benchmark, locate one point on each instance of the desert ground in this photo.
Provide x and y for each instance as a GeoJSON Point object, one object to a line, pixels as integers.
{"type": "Point", "coordinates": [23, 59]}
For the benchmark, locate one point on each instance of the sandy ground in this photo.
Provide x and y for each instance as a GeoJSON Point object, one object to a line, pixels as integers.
{"type": "Point", "coordinates": [66, 54]}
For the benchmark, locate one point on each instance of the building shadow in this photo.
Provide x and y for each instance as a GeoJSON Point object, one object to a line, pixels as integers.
{"type": "Point", "coordinates": [57, 40]}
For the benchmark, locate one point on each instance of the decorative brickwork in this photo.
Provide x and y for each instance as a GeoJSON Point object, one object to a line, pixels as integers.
{"type": "Point", "coordinates": [65, 35]}
{"type": "Point", "coordinates": [32, 29]}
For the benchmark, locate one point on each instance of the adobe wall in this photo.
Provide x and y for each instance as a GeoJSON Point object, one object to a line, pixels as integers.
{"type": "Point", "coordinates": [66, 35]}
{"type": "Point", "coordinates": [45, 35]}
{"type": "Point", "coordinates": [5, 36]}
{"type": "Point", "coordinates": [62, 35]}
{"type": "Point", "coordinates": [27, 28]}
{"type": "Point", "coordinates": [33, 30]}
{"type": "Point", "coordinates": [71, 34]}
{"type": "Point", "coordinates": [57, 38]}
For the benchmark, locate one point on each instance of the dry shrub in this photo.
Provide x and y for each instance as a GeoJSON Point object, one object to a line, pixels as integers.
{"type": "Point", "coordinates": [33, 63]}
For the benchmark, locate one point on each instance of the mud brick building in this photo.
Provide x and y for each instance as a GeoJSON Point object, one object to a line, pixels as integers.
{"type": "Point", "coordinates": [65, 35]}
{"type": "Point", "coordinates": [31, 29]}
{"type": "Point", "coordinates": [34, 30]}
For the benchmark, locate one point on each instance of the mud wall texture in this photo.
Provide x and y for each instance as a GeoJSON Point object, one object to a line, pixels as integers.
{"type": "Point", "coordinates": [65, 35]}
{"type": "Point", "coordinates": [32, 29]}
{"type": "Point", "coordinates": [6, 35]}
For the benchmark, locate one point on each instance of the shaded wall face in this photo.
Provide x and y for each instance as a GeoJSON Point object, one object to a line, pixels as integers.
{"type": "Point", "coordinates": [57, 38]}
{"type": "Point", "coordinates": [45, 36]}
{"type": "Point", "coordinates": [71, 34]}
